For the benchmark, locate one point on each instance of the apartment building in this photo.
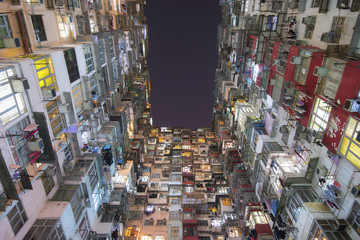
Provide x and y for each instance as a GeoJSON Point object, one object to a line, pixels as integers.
{"type": "Point", "coordinates": [75, 86]}
{"type": "Point", "coordinates": [287, 94]}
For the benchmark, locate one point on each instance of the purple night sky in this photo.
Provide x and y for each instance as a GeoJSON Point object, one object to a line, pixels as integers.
{"type": "Point", "coordinates": [182, 60]}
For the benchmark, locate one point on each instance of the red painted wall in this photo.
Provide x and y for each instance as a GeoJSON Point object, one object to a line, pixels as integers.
{"type": "Point", "coordinates": [349, 88]}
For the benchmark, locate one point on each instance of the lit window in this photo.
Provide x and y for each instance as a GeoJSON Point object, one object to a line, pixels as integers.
{"type": "Point", "coordinates": [226, 202]}
{"type": "Point", "coordinates": [320, 116]}
{"type": "Point", "coordinates": [350, 143]}
{"type": "Point", "coordinates": [78, 99]}
{"type": "Point", "coordinates": [159, 238]}
{"type": "Point", "coordinates": [131, 232]}
{"type": "Point", "coordinates": [12, 104]}
{"type": "Point", "coordinates": [45, 72]}
{"type": "Point", "coordinates": [216, 222]}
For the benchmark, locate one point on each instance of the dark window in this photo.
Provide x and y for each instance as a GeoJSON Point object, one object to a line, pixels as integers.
{"type": "Point", "coordinates": [17, 217]}
{"type": "Point", "coordinates": [38, 28]}
{"type": "Point", "coordinates": [48, 183]}
{"type": "Point", "coordinates": [202, 222]}
{"type": "Point", "coordinates": [71, 64]}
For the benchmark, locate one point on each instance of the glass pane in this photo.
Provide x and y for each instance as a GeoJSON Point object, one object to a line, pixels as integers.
{"type": "Point", "coordinates": [351, 127]}
{"type": "Point", "coordinates": [344, 145]}
{"type": "Point", "coordinates": [353, 159]}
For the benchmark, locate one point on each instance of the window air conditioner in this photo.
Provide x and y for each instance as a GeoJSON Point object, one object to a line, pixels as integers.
{"type": "Point", "coordinates": [35, 145]}
{"type": "Point", "coordinates": [64, 108]}
{"type": "Point", "coordinates": [352, 105]}
{"type": "Point", "coordinates": [20, 84]}
{"type": "Point", "coordinates": [48, 94]}
{"type": "Point", "coordinates": [320, 71]}
{"type": "Point", "coordinates": [356, 190]}
{"type": "Point", "coordinates": [296, 60]}
{"type": "Point", "coordinates": [10, 42]}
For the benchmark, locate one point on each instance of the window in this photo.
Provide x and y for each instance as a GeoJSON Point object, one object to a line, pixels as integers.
{"type": "Point", "coordinates": [48, 183]}
{"type": "Point", "coordinates": [5, 30]}
{"type": "Point", "coordinates": [174, 216]}
{"type": "Point", "coordinates": [323, 229]}
{"type": "Point", "coordinates": [84, 227]}
{"type": "Point", "coordinates": [354, 217]}
{"type": "Point", "coordinates": [294, 204]}
{"type": "Point", "coordinates": [309, 28]}
{"type": "Point", "coordinates": [315, 3]}
{"type": "Point", "coordinates": [71, 64]}
{"type": "Point", "coordinates": [45, 229]}
{"type": "Point", "coordinates": [350, 143]}
{"type": "Point", "coordinates": [149, 222]}
{"type": "Point", "coordinates": [12, 104]}
{"type": "Point", "coordinates": [202, 223]}
{"type": "Point", "coordinates": [107, 217]}
{"type": "Point", "coordinates": [93, 177]}
{"type": "Point", "coordinates": [156, 175]}
{"type": "Point", "coordinates": [38, 28]}
{"type": "Point", "coordinates": [302, 69]}
{"type": "Point", "coordinates": [336, 28]}
{"type": "Point", "coordinates": [17, 217]}
{"type": "Point", "coordinates": [319, 117]}
{"type": "Point", "coordinates": [77, 206]}
{"type": "Point", "coordinates": [328, 86]}
{"type": "Point", "coordinates": [57, 119]}
{"type": "Point", "coordinates": [45, 72]}
{"type": "Point", "coordinates": [88, 57]}
{"type": "Point", "coordinates": [161, 222]}
{"type": "Point", "coordinates": [78, 98]}
{"type": "Point", "coordinates": [80, 24]}
{"type": "Point", "coordinates": [174, 232]}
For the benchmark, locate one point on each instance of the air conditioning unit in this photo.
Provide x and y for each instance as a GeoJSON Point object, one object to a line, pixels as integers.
{"type": "Point", "coordinates": [296, 60]}
{"type": "Point", "coordinates": [87, 105]}
{"type": "Point", "coordinates": [35, 145]}
{"type": "Point", "coordinates": [320, 71]}
{"type": "Point", "coordinates": [276, 62]}
{"type": "Point", "coordinates": [289, 91]}
{"type": "Point", "coordinates": [356, 190]}
{"type": "Point", "coordinates": [20, 84]}
{"type": "Point", "coordinates": [64, 108]}
{"type": "Point", "coordinates": [300, 135]}
{"type": "Point", "coordinates": [321, 171]}
{"type": "Point", "coordinates": [10, 42]}
{"type": "Point", "coordinates": [48, 94]}
{"type": "Point", "coordinates": [352, 105]}
{"type": "Point", "coordinates": [272, 82]}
